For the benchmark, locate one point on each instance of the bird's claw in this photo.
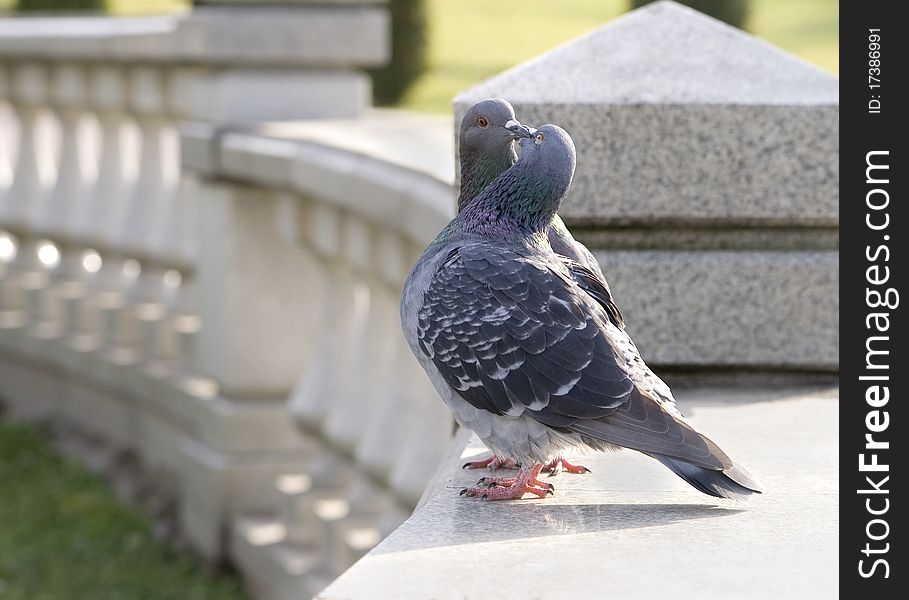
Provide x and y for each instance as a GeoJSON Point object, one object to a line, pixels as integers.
{"type": "Point", "coordinates": [560, 464]}
{"type": "Point", "coordinates": [471, 492]}
{"type": "Point", "coordinates": [492, 463]}
{"type": "Point", "coordinates": [511, 488]}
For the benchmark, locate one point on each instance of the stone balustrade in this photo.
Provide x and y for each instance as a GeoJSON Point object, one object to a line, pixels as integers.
{"type": "Point", "coordinates": [353, 202]}
{"type": "Point", "coordinates": [191, 302]}
{"type": "Point", "coordinates": [181, 287]}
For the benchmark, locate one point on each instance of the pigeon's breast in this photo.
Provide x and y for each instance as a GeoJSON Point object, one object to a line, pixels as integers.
{"type": "Point", "coordinates": [521, 438]}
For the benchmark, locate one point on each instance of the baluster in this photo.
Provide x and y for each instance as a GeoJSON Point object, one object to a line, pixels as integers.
{"type": "Point", "coordinates": [382, 440]}
{"type": "Point", "coordinates": [429, 422]}
{"type": "Point", "coordinates": [109, 271]}
{"type": "Point", "coordinates": [27, 194]}
{"type": "Point", "coordinates": [312, 396]}
{"type": "Point", "coordinates": [173, 244]}
{"type": "Point", "coordinates": [142, 218]}
{"type": "Point", "coordinates": [9, 136]}
{"type": "Point", "coordinates": [67, 199]}
{"type": "Point", "coordinates": [344, 421]}
{"type": "Point", "coordinates": [97, 225]}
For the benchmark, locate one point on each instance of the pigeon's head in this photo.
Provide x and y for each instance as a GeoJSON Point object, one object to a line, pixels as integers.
{"type": "Point", "coordinates": [489, 127]}
{"type": "Point", "coordinates": [549, 151]}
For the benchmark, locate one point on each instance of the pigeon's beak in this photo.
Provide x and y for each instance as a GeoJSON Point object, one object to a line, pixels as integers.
{"type": "Point", "coordinates": [517, 130]}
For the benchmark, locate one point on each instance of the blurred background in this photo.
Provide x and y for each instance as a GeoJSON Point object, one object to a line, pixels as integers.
{"type": "Point", "coordinates": [207, 211]}
{"type": "Point", "coordinates": [431, 37]}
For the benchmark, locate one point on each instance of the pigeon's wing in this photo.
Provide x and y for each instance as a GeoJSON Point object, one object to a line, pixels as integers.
{"type": "Point", "coordinates": [514, 334]}
{"type": "Point", "coordinates": [563, 243]}
{"type": "Point", "coordinates": [596, 287]}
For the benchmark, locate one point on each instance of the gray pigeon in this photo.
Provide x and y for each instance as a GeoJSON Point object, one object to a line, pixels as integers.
{"type": "Point", "coordinates": [486, 149]}
{"type": "Point", "coordinates": [517, 341]}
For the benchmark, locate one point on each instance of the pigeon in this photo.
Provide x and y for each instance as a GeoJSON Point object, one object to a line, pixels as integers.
{"type": "Point", "coordinates": [517, 341]}
{"type": "Point", "coordinates": [486, 150]}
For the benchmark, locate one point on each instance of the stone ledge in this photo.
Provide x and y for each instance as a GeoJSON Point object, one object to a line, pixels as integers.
{"type": "Point", "coordinates": [612, 533]}
{"type": "Point", "coordinates": [333, 161]}
{"type": "Point", "coordinates": [244, 95]}
{"type": "Point", "coordinates": [323, 35]}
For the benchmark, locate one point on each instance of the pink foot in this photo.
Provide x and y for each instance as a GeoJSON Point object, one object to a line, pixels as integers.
{"type": "Point", "coordinates": [560, 464]}
{"type": "Point", "coordinates": [492, 463]}
{"type": "Point", "coordinates": [512, 488]}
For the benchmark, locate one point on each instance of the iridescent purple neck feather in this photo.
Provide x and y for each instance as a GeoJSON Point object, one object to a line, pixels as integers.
{"type": "Point", "coordinates": [477, 172]}
{"type": "Point", "coordinates": [523, 201]}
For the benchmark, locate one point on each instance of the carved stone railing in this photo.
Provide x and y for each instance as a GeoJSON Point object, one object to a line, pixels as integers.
{"type": "Point", "coordinates": [200, 299]}
{"type": "Point", "coordinates": [156, 306]}
{"type": "Point", "coordinates": [352, 203]}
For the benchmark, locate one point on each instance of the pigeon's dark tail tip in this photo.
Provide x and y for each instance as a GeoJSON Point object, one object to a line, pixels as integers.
{"type": "Point", "coordinates": [734, 482]}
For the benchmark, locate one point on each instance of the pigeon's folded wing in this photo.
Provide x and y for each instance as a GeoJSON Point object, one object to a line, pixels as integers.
{"type": "Point", "coordinates": [596, 287]}
{"type": "Point", "coordinates": [514, 334]}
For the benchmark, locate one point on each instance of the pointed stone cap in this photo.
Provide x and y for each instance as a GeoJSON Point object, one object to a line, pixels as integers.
{"type": "Point", "coordinates": [678, 116]}
{"type": "Point", "coordinates": [664, 53]}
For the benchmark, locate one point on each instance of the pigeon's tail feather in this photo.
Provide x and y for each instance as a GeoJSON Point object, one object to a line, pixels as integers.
{"type": "Point", "coordinates": [733, 482]}
{"type": "Point", "coordinates": [648, 426]}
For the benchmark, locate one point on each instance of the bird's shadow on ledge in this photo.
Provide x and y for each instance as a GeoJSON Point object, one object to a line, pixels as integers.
{"type": "Point", "coordinates": [471, 521]}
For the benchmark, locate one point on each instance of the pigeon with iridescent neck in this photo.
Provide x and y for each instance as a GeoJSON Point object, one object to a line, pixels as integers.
{"type": "Point", "coordinates": [486, 149]}
{"type": "Point", "coordinates": [516, 340]}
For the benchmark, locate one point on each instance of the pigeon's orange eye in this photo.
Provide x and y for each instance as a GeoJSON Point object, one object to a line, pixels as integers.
{"type": "Point", "coordinates": [538, 138]}
{"type": "Point", "coordinates": [482, 121]}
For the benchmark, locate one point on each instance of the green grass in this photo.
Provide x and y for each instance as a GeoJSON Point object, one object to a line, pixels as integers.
{"type": "Point", "coordinates": [470, 40]}
{"type": "Point", "coordinates": [63, 535]}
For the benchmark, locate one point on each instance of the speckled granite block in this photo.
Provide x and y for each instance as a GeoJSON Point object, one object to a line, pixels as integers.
{"type": "Point", "coordinates": [677, 116]}
{"type": "Point", "coordinates": [759, 309]}
{"type": "Point", "coordinates": [743, 165]}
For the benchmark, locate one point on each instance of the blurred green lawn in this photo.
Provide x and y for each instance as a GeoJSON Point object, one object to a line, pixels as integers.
{"type": "Point", "coordinates": [63, 534]}
{"type": "Point", "coordinates": [470, 40]}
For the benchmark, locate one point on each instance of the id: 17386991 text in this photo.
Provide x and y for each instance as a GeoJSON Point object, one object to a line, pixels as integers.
{"type": "Point", "coordinates": [874, 70]}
